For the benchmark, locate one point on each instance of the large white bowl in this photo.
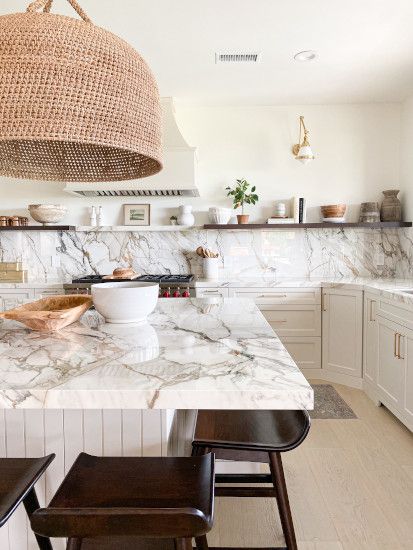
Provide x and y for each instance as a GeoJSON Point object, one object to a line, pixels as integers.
{"type": "Point", "coordinates": [128, 302]}
{"type": "Point", "coordinates": [47, 213]}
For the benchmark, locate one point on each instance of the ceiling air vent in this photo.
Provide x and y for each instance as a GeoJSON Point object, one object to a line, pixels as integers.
{"type": "Point", "coordinates": [251, 57]}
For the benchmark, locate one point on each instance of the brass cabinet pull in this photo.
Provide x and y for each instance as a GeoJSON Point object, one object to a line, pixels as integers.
{"type": "Point", "coordinates": [399, 337]}
{"type": "Point", "coordinates": [272, 296]}
{"type": "Point", "coordinates": [371, 310]}
{"type": "Point", "coordinates": [323, 302]}
{"type": "Point", "coordinates": [395, 345]}
{"type": "Point", "coordinates": [279, 321]}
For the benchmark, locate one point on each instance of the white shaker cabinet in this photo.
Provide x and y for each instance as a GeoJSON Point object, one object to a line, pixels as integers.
{"type": "Point", "coordinates": [407, 353]}
{"type": "Point", "coordinates": [11, 298]}
{"type": "Point", "coordinates": [295, 315]}
{"type": "Point", "coordinates": [395, 369]}
{"type": "Point", "coordinates": [211, 292]}
{"type": "Point", "coordinates": [371, 339]}
{"type": "Point", "coordinates": [46, 292]}
{"type": "Point", "coordinates": [342, 340]}
{"type": "Point", "coordinates": [391, 362]}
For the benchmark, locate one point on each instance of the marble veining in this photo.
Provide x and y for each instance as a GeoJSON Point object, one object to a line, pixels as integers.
{"type": "Point", "coordinates": [193, 353]}
{"type": "Point", "coordinates": [274, 254]}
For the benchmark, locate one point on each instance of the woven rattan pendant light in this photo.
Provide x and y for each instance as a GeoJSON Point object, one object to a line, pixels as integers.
{"type": "Point", "coordinates": [77, 103]}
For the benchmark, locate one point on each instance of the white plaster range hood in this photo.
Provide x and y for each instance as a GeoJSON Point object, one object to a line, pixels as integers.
{"type": "Point", "coordinates": [177, 179]}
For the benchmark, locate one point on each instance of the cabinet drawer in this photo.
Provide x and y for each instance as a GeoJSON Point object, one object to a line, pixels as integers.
{"type": "Point", "coordinates": [294, 320]}
{"type": "Point", "coordinates": [45, 292]}
{"type": "Point", "coordinates": [266, 296]}
{"type": "Point", "coordinates": [211, 292]}
{"type": "Point", "coordinates": [391, 362]}
{"type": "Point", "coordinates": [395, 313]}
{"type": "Point", "coordinates": [306, 351]}
{"type": "Point", "coordinates": [10, 299]}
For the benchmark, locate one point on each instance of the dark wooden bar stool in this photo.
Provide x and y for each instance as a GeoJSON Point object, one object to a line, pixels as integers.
{"type": "Point", "coordinates": [17, 479]}
{"type": "Point", "coordinates": [253, 436]}
{"type": "Point", "coordinates": [117, 503]}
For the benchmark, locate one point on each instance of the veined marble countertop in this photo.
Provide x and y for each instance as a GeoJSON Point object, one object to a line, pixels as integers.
{"type": "Point", "coordinates": [194, 354]}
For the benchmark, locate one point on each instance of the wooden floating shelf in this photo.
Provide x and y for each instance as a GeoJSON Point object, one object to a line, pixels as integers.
{"type": "Point", "coordinates": [135, 228]}
{"type": "Point", "coordinates": [324, 225]}
{"type": "Point", "coordinates": [230, 227]}
{"type": "Point", "coordinates": [38, 228]}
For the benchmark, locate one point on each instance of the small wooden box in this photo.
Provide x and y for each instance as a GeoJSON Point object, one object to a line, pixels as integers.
{"type": "Point", "coordinates": [11, 266]}
{"type": "Point", "coordinates": [13, 276]}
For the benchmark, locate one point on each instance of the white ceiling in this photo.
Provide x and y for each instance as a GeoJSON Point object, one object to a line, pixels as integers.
{"type": "Point", "coordinates": [365, 47]}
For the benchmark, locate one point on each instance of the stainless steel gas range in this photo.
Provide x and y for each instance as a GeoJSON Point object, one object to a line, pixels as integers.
{"type": "Point", "coordinates": [174, 286]}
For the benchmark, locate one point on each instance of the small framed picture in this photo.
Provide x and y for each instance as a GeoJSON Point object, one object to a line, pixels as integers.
{"type": "Point", "coordinates": [137, 214]}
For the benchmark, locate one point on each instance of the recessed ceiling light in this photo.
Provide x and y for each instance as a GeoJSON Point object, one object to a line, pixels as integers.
{"type": "Point", "coordinates": [307, 55]}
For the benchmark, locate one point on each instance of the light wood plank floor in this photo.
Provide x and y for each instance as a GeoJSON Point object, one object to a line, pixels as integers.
{"type": "Point", "coordinates": [350, 487]}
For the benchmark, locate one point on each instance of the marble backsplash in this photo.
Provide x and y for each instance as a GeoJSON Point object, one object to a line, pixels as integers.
{"type": "Point", "coordinates": [60, 256]}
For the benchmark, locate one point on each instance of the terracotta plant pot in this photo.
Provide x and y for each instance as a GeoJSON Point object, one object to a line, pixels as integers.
{"type": "Point", "coordinates": [243, 218]}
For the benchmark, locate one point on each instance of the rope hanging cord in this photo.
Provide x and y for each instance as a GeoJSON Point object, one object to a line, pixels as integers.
{"type": "Point", "coordinates": [47, 4]}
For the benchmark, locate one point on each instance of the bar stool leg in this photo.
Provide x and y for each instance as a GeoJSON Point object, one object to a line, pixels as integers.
{"type": "Point", "coordinates": [277, 473]}
{"type": "Point", "coordinates": [31, 504]}
{"type": "Point", "coordinates": [183, 544]}
{"type": "Point", "coordinates": [199, 451]}
{"type": "Point", "coordinates": [201, 543]}
{"type": "Point", "coordinates": [74, 544]}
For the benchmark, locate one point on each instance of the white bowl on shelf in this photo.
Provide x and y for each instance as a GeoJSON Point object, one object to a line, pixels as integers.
{"type": "Point", "coordinates": [334, 220]}
{"type": "Point", "coordinates": [128, 302]}
{"type": "Point", "coordinates": [47, 213]}
{"type": "Point", "coordinates": [219, 216]}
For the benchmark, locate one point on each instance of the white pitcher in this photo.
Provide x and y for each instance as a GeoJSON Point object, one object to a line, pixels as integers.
{"type": "Point", "coordinates": [185, 216]}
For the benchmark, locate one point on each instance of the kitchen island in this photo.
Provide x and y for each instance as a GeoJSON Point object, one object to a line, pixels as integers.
{"type": "Point", "coordinates": [132, 389]}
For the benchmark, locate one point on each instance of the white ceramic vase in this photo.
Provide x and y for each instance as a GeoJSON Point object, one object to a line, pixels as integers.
{"type": "Point", "coordinates": [220, 216]}
{"type": "Point", "coordinates": [185, 216]}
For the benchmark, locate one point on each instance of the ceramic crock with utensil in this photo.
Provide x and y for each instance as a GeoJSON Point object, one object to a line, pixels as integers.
{"type": "Point", "coordinates": [211, 266]}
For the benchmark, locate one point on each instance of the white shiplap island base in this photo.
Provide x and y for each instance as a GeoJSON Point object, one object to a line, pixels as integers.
{"type": "Point", "coordinates": [132, 389]}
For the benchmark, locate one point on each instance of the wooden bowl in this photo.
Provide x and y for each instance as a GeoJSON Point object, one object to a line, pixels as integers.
{"type": "Point", "coordinates": [50, 314]}
{"type": "Point", "coordinates": [333, 210]}
{"type": "Point", "coordinates": [126, 273]}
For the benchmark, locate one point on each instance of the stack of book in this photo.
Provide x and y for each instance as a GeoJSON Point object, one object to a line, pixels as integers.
{"type": "Point", "coordinates": [280, 220]}
{"type": "Point", "coordinates": [298, 210]}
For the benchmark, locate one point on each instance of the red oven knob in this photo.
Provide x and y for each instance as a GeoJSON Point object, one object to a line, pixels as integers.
{"type": "Point", "coordinates": [177, 293]}
{"type": "Point", "coordinates": [185, 293]}
{"type": "Point", "coordinates": [167, 293]}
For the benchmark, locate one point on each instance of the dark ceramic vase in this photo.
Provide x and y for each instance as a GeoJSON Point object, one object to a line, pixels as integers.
{"type": "Point", "coordinates": [391, 207]}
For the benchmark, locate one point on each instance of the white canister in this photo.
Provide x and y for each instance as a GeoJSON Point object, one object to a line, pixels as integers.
{"type": "Point", "coordinates": [185, 216]}
{"type": "Point", "coordinates": [211, 266]}
{"type": "Point", "coordinates": [280, 210]}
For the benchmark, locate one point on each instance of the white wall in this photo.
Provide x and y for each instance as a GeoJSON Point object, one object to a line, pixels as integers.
{"type": "Point", "coordinates": [406, 164]}
{"type": "Point", "coordinates": [357, 149]}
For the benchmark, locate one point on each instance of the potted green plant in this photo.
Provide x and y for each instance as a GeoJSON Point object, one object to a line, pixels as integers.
{"type": "Point", "coordinates": [240, 196]}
